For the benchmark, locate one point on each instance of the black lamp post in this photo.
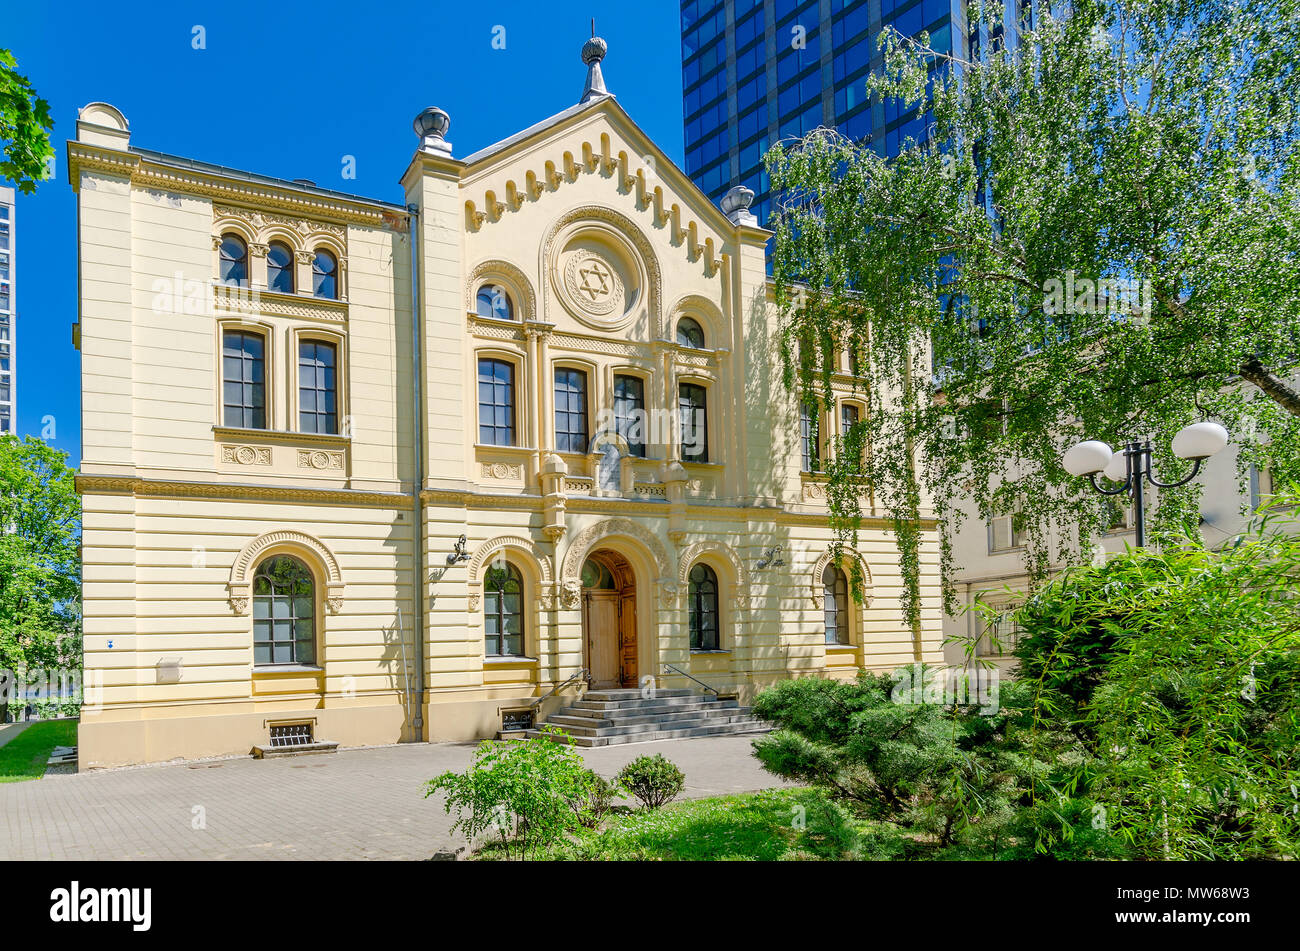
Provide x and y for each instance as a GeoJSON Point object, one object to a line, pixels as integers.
{"type": "Point", "coordinates": [1132, 464]}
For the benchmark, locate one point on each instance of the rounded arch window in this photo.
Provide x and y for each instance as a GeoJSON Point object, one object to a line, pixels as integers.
{"type": "Point", "coordinates": [279, 268]}
{"type": "Point", "coordinates": [233, 264]}
{"type": "Point", "coordinates": [595, 575]}
{"type": "Point", "coordinates": [503, 611]}
{"type": "Point", "coordinates": [284, 613]}
{"type": "Point", "coordinates": [690, 333]}
{"type": "Point", "coordinates": [836, 590]}
{"type": "Point", "coordinates": [703, 602]}
{"type": "Point", "coordinates": [324, 275]}
{"type": "Point", "coordinates": [493, 301]}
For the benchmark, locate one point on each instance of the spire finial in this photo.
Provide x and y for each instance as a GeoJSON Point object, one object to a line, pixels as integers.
{"type": "Point", "coordinates": [593, 51]}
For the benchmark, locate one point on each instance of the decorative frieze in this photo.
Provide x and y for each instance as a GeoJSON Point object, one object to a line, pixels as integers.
{"type": "Point", "coordinates": [321, 459]}
{"type": "Point", "coordinates": [246, 455]}
{"type": "Point", "coordinates": [501, 471]}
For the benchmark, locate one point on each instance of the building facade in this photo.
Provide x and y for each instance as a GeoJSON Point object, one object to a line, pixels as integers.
{"type": "Point", "coordinates": [758, 71]}
{"type": "Point", "coordinates": [8, 316]}
{"type": "Point", "coordinates": [383, 471]}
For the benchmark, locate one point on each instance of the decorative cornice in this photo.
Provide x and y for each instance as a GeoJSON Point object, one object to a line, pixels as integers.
{"type": "Point", "coordinates": [147, 173]}
{"type": "Point", "coordinates": [583, 505]}
{"type": "Point", "coordinates": [328, 440]}
{"type": "Point", "coordinates": [257, 301]}
{"type": "Point", "coordinates": [152, 488]}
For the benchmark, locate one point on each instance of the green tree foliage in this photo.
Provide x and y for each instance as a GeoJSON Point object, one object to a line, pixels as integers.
{"type": "Point", "coordinates": [1156, 715]}
{"type": "Point", "coordinates": [1179, 673]}
{"type": "Point", "coordinates": [25, 126]}
{"type": "Point", "coordinates": [531, 793]}
{"type": "Point", "coordinates": [40, 557]}
{"type": "Point", "coordinates": [1097, 236]}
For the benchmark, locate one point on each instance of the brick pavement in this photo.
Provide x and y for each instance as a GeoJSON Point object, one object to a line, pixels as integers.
{"type": "Point", "coordinates": [355, 804]}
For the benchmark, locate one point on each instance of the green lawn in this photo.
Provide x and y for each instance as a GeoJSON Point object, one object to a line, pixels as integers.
{"type": "Point", "coordinates": [24, 756]}
{"type": "Point", "coordinates": [776, 824]}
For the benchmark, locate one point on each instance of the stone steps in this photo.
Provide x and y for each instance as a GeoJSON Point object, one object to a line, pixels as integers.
{"type": "Point", "coordinates": [615, 717]}
{"type": "Point", "coordinates": [721, 729]}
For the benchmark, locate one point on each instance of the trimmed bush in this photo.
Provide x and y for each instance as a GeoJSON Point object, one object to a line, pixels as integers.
{"type": "Point", "coordinates": [652, 779]}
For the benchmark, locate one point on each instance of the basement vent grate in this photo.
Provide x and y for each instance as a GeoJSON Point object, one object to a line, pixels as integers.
{"type": "Point", "coordinates": [290, 734]}
{"type": "Point", "coordinates": [516, 720]}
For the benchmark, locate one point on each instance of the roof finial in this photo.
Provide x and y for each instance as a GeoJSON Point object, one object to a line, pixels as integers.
{"type": "Point", "coordinates": [593, 51]}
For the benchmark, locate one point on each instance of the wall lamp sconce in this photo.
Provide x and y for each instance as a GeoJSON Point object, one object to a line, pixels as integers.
{"type": "Point", "coordinates": [458, 553]}
{"type": "Point", "coordinates": [771, 558]}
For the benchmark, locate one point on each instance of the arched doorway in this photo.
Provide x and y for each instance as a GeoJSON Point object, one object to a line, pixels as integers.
{"type": "Point", "coordinates": [609, 620]}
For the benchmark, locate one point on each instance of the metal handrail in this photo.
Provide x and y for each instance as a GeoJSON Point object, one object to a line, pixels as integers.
{"type": "Point", "coordinates": [580, 675]}
{"type": "Point", "coordinates": [689, 677]}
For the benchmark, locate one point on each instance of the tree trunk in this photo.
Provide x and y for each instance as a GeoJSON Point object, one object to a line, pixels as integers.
{"type": "Point", "coordinates": [1276, 388]}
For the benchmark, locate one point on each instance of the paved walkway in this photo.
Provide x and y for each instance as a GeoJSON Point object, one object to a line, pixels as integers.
{"type": "Point", "coordinates": [9, 730]}
{"type": "Point", "coordinates": [355, 804]}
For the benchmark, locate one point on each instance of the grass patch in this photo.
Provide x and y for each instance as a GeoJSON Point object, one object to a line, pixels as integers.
{"type": "Point", "coordinates": [773, 825]}
{"type": "Point", "coordinates": [24, 757]}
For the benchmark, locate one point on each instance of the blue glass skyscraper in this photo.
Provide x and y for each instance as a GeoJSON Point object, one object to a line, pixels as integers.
{"type": "Point", "coordinates": [757, 71]}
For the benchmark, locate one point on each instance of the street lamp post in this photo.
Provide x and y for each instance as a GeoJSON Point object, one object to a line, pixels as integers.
{"type": "Point", "coordinates": [1132, 464]}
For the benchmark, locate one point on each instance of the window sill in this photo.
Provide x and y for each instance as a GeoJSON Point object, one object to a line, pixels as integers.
{"type": "Point", "coordinates": [707, 651]}
{"type": "Point", "coordinates": [490, 447]}
{"type": "Point", "coordinates": [505, 660]}
{"type": "Point", "coordinates": [259, 669]}
{"type": "Point", "coordinates": [703, 465]}
{"type": "Point", "coordinates": [238, 432]}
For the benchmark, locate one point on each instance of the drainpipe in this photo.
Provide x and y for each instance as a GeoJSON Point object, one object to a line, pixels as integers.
{"type": "Point", "coordinates": [417, 482]}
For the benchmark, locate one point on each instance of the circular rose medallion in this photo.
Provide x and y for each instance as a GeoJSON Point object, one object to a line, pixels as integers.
{"type": "Point", "coordinates": [592, 284]}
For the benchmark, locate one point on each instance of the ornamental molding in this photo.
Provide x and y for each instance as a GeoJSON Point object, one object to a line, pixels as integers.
{"type": "Point", "coordinates": [628, 230]}
{"type": "Point", "coordinates": [243, 300]}
{"type": "Point", "coordinates": [266, 225]}
{"type": "Point", "coordinates": [586, 540]}
{"type": "Point", "coordinates": [149, 488]}
{"type": "Point", "coordinates": [692, 553]}
{"type": "Point", "coordinates": [246, 455]}
{"type": "Point", "coordinates": [538, 560]}
{"type": "Point", "coordinates": [819, 591]}
{"type": "Point", "coordinates": [147, 174]}
{"type": "Point", "coordinates": [240, 584]}
{"type": "Point", "coordinates": [501, 471]}
{"type": "Point", "coordinates": [512, 277]}
{"type": "Point", "coordinates": [320, 459]}
{"type": "Point", "coordinates": [581, 505]}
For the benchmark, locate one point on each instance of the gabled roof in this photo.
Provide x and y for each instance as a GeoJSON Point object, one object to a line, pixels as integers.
{"type": "Point", "coordinates": [535, 129]}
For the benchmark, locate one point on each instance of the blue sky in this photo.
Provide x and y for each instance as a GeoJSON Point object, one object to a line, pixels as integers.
{"type": "Point", "coordinates": [289, 89]}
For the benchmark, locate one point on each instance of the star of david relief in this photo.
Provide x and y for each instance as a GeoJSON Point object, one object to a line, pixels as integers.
{"type": "Point", "coordinates": [594, 279]}
{"type": "Point", "coordinates": [592, 284]}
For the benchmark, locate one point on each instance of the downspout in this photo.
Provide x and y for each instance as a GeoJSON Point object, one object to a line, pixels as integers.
{"type": "Point", "coordinates": [417, 481]}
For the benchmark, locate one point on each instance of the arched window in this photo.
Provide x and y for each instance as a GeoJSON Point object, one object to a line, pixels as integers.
{"type": "Point", "coordinates": [324, 275]}
{"type": "Point", "coordinates": [703, 608]}
{"type": "Point", "coordinates": [503, 611]}
{"type": "Point", "coordinates": [284, 613]}
{"type": "Point", "coordinates": [233, 267]}
{"type": "Point", "coordinates": [493, 301]}
{"type": "Point", "coordinates": [690, 334]}
{"type": "Point", "coordinates": [836, 590]}
{"type": "Point", "coordinates": [279, 268]}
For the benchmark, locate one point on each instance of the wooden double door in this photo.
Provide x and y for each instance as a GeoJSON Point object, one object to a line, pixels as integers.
{"type": "Point", "coordinates": [609, 628]}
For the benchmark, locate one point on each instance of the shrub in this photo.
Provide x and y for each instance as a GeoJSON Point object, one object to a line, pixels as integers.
{"type": "Point", "coordinates": [1179, 672]}
{"type": "Point", "coordinates": [523, 790]}
{"type": "Point", "coordinates": [595, 799]}
{"type": "Point", "coordinates": [652, 779]}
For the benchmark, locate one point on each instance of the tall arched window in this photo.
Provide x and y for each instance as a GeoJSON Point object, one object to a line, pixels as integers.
{"type": "Point", "coordinates": [284, 613]}
{"type": "Point", "coordinates": [493, 301]}
{"type": "Point", "coordinates": [703, 608]}
{"type": "Point", "coordinates": [279, 268]}
{"type": "Point", "coordinates": [690, 333]}
{"type": "Point", "coordinates": [503, 611]}
{"type": "Point", "coordinates": [836, 589]}
{"type": "Point", "coordinates": [324, 275]}
{"type": "Point", "coordinates": [233, 267]}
